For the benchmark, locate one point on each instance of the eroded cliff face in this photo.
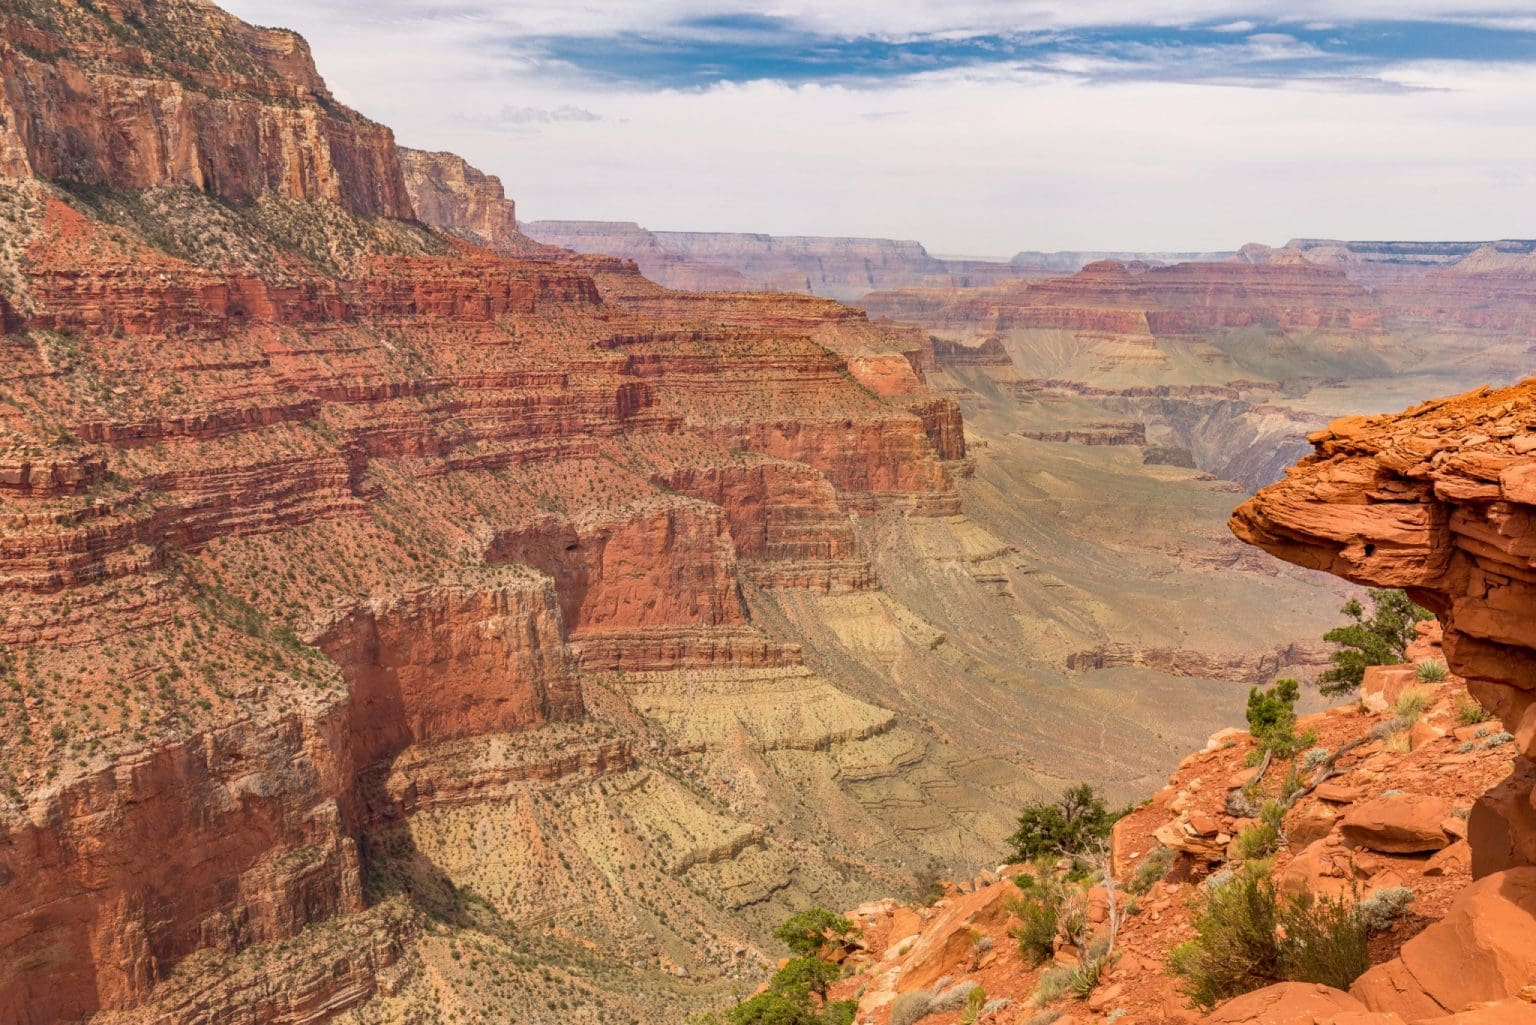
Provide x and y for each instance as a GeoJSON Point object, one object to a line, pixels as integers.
{"type": "Point", "coordinates": [1437, 500]}
{"type": "Point", "coordinates": [136, 94]}
{"type": "Point", "coordinates": [321, 527]}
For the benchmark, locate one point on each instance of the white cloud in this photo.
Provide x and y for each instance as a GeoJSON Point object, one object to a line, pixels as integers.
{"type": "Point", "coordinates": [986, 161]}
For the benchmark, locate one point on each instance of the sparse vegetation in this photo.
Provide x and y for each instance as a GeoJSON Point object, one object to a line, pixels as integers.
{"type": "Point", "coordinates": [1411, 704]}
{"type": "Point", "coordinates": [1068, 826]}
{"type": "Point", "coordinates": [1264, 837]}
{"type": "Point", "coordinates": [1039, 912]}
{"type": "Point", "coordinates": [797, 993]}
{"type": "Point", "coordinates": [1470, 712]}
{"type": "Point", "coordinates": [1248, 937]}
{"type": "Point", "coordinates": [1431, 671]}
{"type": "Point", "coordinates": [1272, 720]}
{"type": "Point", "coordinates": [1381, 638]}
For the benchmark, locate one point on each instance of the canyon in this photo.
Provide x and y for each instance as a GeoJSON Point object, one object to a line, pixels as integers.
{"type": "Point", "coordinates": [408, 619]}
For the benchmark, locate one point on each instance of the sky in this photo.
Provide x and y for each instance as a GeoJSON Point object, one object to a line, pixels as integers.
{"type": "Point", "coordinates": [979, 127]}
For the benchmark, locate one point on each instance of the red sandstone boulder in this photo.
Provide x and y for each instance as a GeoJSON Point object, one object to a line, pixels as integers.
{"type": "Point", "coordinates": [1504, 1012]}
{"type": "Point", "coordinates": [1484, 949]}
{"type": "Point", "coordinates": [1289, 1003]}
{"type": "Point", "coordinates": [1382, 685]}
{"type": "Point", "coordinates": [947, 943]}
{"type": "Point", "coordinates": [1403, 824]}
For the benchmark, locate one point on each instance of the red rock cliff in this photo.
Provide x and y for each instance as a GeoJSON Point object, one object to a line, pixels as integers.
{"type": "Point", "coordinates": [136, 94]}
{"type": "Point", "coordinates": [1439, 500]}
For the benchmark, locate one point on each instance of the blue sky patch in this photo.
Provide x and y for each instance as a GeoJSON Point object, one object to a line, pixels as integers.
{"type": "Point", "coordinates": [745, 47]}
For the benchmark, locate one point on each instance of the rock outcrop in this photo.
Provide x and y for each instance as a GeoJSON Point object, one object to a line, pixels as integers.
{"type": "Point", "coordinates": [1434, 500]}
{"type": "Point", "coordinates": [136, 94]}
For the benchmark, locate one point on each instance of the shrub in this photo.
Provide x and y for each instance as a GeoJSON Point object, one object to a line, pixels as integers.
{"type": "Point", "coordinates": [1272, 712]}
{"type": "Point", "coordinates": [1431, 671]}
{"type": "Point", "coordinates": [975, 1006]}
{"type": "Point", "coordinates": [1247, 938]}
{"type": "Point", "coordinates": [810, 930]}
{"type": "Point", "coordinates": [1313, 757]}
{"type": "Point", "coordinates": [1382, 908]}
{"type": "Point", "coordinates": [1068, 826]}
{"type": "Point", "coordinates": [1053, 985]}
{"type": "Point", "coordinates": [1325, 942]}
{"type": "Point", "coordinates": [1039, 915]}
{"type": "Point", "coordinates": [809, 973]}
{"type": "Point", "coordinates": [1411, 704]}
{"type": "Point", "coordinates": [1381, 639]}
{"type": "Point", "coordinates": [1263, 838]}
{"type": "Point", "coordinates": [1151, 870]}
{"type": "Point", "coordinates": [1470, 712]}
{"type": "Point", "coordinates": [1234, 949]}
{"type": "Point", "coordinates": [954, 998]}
{"type": "Point", "coordinates": [930, 882]}
{"type": "Point", "coordinates": [1083, 978]}
{"type": "Point", "coordinates": [1498, 738]}
{"type": "Point", "coordinates": [911, 1007]}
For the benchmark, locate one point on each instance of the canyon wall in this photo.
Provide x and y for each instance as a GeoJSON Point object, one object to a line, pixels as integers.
{"type": "Point", "coordinates": [182, 94]}
{"type": "Point", "coordinates": [839, 268]}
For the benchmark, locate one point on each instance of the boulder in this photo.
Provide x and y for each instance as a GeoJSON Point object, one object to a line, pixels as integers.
{"type": "Point", "coordinates": [1402, 824]}
{"type": "Point", "coordinates": [1312, 823]}
{"type": "Point", "coordinates": [1382, 685]}
{"type": "Point", "coordinates": [1338, 793]}
{"type": "Point", "coordinates": [1483, 950]}
{"type": "Point", "coordinates": [1324, 867]}
{"type": "Point", "coordinates": [1455, 858]}
{"type": "Point", "coordinates": [1504, 1012]}
{"type": "Point", "coordinates": [946, 946]}
{"type": "Point", "coordinates": [1289, 1003]}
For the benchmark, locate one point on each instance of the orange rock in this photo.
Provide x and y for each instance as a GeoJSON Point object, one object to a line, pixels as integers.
{"type": "Point", "coordinates": [1503, 1012]}
{"type": "Point", "coordinates": [947, 943]}
{"type": "Point", "coordinates": [1402, 824]}
{"type": "Point", "coordinates": [1289, 1003]}
{"type": "Point", "coordinates": [1480, 951]}
{"type": "Point", "coordinates": [1382, 685]}
{"type": "Point", "coordinates": [1455, 858]}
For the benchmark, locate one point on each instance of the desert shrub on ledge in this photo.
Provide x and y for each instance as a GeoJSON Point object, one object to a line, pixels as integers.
{"type": "Point", "coordinates": [1247, 937]}
{"type": "Point", "coordinates": [1067, 827]}
{"type": "Point", "coordinates": [797, 993]}
{"type": "Point", "coordinates": [1380, 639]}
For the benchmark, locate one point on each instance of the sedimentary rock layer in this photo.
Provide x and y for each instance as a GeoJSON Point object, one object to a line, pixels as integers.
{"type": "Point", "coordinates": [1437, 500]}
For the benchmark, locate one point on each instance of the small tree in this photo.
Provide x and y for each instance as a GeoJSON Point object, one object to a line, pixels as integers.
{"type": "Point", "coordinates": [809, 973]}
{"type": "Point", "coordinates": [1274, 710]}
{"type": "Point", "coordinates": [809, 931]}
{"type": "Point", "coordinates": [1068, 826]}
{"type": "Point", "coordinates": [1381, 639]}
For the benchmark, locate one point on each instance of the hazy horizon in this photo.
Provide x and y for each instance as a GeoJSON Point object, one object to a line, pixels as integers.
{"type": "Point", "coordinates": [980, 128]}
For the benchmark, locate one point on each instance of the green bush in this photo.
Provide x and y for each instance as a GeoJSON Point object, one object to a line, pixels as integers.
{"type": "Point", "coordinates": [1273, 710]}
{"type": "Point", "coordinates": [1069, 826]}
{"type": "Point", "coordinates": [1470, 712]}
{"type": "Point", "coordinates": [1325, 942]}
{"type": "Point", "coordinates": [1264, 837]}
{"type": "Point", "coordinates": [1039, 915]}
{"type": "Point", "coordinates": [1247, 938]}
{"type": "Point", "coordinates": [1431, 671]}
{"type": "Point", "coordinates": [809, 931]}
{"type": "Point", "coordinates": [1411, 704]}
{"type": "Point", "coordinates": [1385, 906]}
{"type": "Point", "coordinates": [1381, 639]}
